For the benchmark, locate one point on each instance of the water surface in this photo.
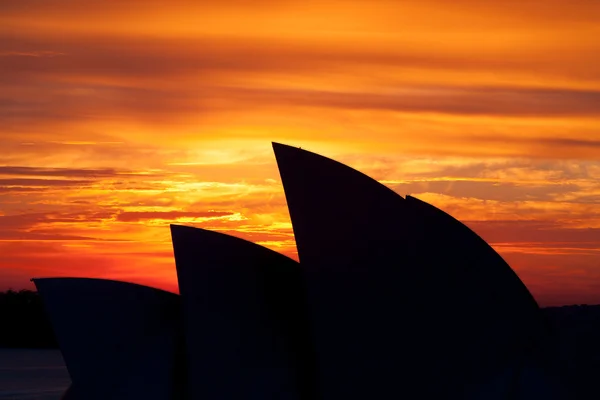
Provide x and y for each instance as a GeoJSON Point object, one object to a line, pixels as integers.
{"type": "Point", "coordinates": [28, 374]}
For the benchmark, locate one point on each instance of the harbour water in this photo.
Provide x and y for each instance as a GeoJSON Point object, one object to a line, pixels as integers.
{"type": "Point", "coordinates": [28, 374]}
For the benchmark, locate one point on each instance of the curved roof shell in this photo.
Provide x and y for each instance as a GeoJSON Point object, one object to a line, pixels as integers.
{"type": "Point", "coordinates": [119, 340]}
{"type": "Point", "coordinates": [404, 299]}
{"type": "Point", "coordinates": [245, 318]}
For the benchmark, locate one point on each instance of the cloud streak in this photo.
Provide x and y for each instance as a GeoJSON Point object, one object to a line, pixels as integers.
{"type": "Point", "coordinates": [59, 172]}
{"type": "Point", "coordinates": [135, 216]}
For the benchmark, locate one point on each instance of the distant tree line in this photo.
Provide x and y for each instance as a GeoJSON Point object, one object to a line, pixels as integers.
{"type": "Point", "coordinates": [24, 324]}
{"type": "Point", "coordinates": [23, 321]}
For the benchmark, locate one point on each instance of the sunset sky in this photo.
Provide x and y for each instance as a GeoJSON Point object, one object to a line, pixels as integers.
{"type": "Point", "coordinates": [118, 118]}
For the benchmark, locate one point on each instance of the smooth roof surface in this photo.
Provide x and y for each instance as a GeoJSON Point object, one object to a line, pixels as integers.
{"type": "Point", "coordinates": [119, 340]}
{"type": "Point", "coordinates": [245, 319]}
{"type": "Point", "coordinates": [406, 301]}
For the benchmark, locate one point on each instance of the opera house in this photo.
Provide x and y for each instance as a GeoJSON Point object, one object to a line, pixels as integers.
{"type": "Point", "coordinates": [392, 299]}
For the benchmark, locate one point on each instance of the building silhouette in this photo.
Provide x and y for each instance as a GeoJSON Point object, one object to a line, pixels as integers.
{"type": "Point", "coordinates": [119, 340]}
{"type": "Point", "coordinates": [392, 298]}
{"type": "Point", "coordinates": [244, 319]}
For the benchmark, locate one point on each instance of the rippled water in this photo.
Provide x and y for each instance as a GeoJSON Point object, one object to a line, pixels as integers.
{"type": "Point", "coordinates": [32, 374]}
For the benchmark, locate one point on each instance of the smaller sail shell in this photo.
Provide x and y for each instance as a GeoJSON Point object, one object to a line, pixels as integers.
{"type": "Point", "coordinates": [120, 341]}
{"type": "Point", "coordinates": [245, 319]}
{"type": "Point", "coordinates": [405, 301]}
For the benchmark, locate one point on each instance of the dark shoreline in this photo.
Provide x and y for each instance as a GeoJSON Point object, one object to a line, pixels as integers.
{"type": "Point", "coordinates": [24, 325]}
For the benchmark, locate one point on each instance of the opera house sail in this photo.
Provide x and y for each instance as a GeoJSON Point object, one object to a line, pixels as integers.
{"type": "Point", "coordinates": [392, 298]}
{"type": "Point", "coordinates": [119, 340]}
{"type": "Point", "coordinates": [244, 318]}
{"type": "Point", "coordinates": [398, 292]}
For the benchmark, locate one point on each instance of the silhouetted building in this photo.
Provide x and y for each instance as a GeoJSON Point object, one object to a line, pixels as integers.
{"type": "Point", "coordinates": [119, 340]}
{"type": "Point", "coordinates": [392, 298]}
{"type": "Point", "coordinates": [244, 317]}
{"type": "Point", "coordinates": [405, 300]}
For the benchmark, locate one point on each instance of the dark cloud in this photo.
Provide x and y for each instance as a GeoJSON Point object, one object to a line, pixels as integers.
{"type": "Point", "coordinates": [43, 179]}
{"type": "Point", "coordinates": [69, 173]}
{"type": "Point", "coordinates": [586, 199]}
{"type": "Point", "coordinates": [542, 141]}
{"type": "Point", "coordinates": [253, 235]}
{"type": "Point", "coordinates": [571, 142]}
{"type": "Point", "coordinates": [542, 148]}
{"type": "Point", "coordinates": [521, 102]}
{"type": "Point", "coordinates": [92, 8]}
{"type": "Point", "coordinates": [166, 107]}
{"type": "Point", "coordinates": [18, 189]}
{"type": "Point", "coordinates": [34, 226]}
{"type": "Point", "coordinates": [63, 172]}
{"type": "Point", "coordinates": [487, 190]}
{"type": "Point", "coordinates": [24, 182]}
{"type": "Point", "coordinates": [21, 222]}
{"type": "Point", "coordinates": [556, 171]}
{"type": "Point", "coordinates": [545, 233]}
{"type": "Point", "coordinates": [35, 236]}
{"type": "Point", "coordinates": [30, 54]}
{"type": "Point", "coordinates": [130, 59]}
{"type": "Point", "coordinates": [89, 103]}
{"type": "Point", "coordinates": [161, 80]}
{"type": "Point", "coordinates": [81, 102]}
{"type": "Point", "coordinates": [135, 216]}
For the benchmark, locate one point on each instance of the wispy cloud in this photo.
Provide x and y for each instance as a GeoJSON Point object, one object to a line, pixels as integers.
{"type": "Point", "coordinates": [134, 216]}
{"type": "Point", "coordinates": [66, 172]}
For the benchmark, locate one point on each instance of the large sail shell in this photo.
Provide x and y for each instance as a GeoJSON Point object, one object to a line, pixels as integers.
{"type": "Point", "coordinates": [404, 301]}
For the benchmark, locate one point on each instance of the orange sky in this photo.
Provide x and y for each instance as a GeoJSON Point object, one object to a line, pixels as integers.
{"type": "Point", "coordinates": [120, 117]}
